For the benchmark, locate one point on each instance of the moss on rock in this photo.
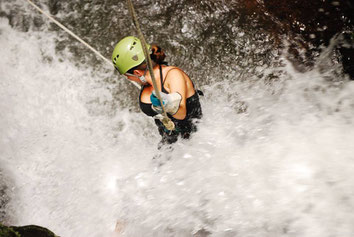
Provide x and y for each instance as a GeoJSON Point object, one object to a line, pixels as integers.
{"type": "Point", "coordinates": [25, 231]}
{"type": "Point", "coordinates": [7, 232]}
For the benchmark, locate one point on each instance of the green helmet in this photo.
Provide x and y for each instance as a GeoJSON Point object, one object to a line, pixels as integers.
{"type": "Point", "coordinates": [127, 54]}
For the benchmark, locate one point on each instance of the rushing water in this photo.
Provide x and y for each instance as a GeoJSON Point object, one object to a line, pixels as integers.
{"type": "Point", "coordinates": [273, 155]}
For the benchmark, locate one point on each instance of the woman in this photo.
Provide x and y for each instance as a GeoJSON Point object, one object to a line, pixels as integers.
{"type": "Point", "coordinates": [181, 100]}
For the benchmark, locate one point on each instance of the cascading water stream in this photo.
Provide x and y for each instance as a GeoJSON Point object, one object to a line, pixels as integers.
{"type": "Point", "coordinates": [272, 157]}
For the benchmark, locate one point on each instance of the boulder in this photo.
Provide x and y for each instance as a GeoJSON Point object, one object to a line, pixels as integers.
{"type": "Point", "coordinates": [309, 26]}
{"type": "Point", "coordinates": [25, 231]}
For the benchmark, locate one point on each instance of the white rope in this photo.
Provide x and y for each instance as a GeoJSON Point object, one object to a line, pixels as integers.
{"type": "Point", "coordinates": [167, 122]}
{"type": "Point", "coordinates": [75, 36]}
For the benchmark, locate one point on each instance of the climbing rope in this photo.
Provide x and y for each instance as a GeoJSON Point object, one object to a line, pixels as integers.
{"type": "Point", "coordinates": [75, 36]}
{"type": "Point", "coordinates": [165, 120]}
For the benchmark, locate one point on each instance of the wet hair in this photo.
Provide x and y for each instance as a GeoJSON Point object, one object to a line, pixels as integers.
{"type": "Point", "coordinates": [157, 55]}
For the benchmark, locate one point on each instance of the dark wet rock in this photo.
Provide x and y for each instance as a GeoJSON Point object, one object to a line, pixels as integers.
{"type": "Point", "coordinates": [347, 52]}
{"type": "Point", "coordinates": [54, 6]}
{"type": "Point", "coordinates": [308, 26]}
{"type": "Point", "coordinates": [313, 24]}
{"type": "Point", "coordinates": [202, 233]}
{"type": "Point", "coordinates": [316, 21]}
{"type": "Point", "coordinates": [7, 232]}
{"type": "Point", "coordinates": [25, 231]}
{"type": "Point", "coordinates": [209, 39]}
{"type": "Point", "coordinates": [4, 197]}
{"type": "Point", "coordinates": [230, 36]}
{"type": "Point", "coordinates": [33, 231]}
{"type": "Point", "coordinates": [18, 18]}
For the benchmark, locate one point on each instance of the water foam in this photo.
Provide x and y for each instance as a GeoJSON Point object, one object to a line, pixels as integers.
{"type": "Point", "coordinates": [270, 158]}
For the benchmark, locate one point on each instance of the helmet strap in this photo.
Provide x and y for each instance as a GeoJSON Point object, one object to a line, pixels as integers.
{"type": "Point", "coordinates": [141, 78]}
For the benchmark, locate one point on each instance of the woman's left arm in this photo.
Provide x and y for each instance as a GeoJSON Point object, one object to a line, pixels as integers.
{"type": "Point", "coordinates": [176, 82]}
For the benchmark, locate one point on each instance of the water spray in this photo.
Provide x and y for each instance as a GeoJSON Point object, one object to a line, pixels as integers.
{"type": "Point", "coordinates": [75, 36]}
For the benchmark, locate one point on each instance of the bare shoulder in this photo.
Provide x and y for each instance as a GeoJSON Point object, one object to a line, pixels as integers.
{"type": "Point", "coordinates": [174, 73]}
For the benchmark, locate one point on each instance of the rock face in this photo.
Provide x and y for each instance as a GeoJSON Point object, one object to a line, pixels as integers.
{"type": "Point", "coordinates": [318, 22]}
{"type": "Point", "coordinates": [308, 25]}
{"type": "Point", "coordinates": [312, 24]}
{"type": "Point", "coordinates": [25, 231]}
{"type": "Point", "coordinates": [229, 36]}
{"type": "Point", "coordinates": [4, 197]}
{"type": "Point", "coordinates": [7, 232]}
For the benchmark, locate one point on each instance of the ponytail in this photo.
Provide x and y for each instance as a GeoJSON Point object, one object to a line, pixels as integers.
{"type": "Point", "coordinates": [157, 55]}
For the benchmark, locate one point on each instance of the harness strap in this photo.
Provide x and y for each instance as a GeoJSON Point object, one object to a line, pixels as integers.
{"type": "Point", "coordinates": [161, 78]}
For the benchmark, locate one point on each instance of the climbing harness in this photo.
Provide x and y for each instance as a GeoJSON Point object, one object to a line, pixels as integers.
{"type": "Point", "coordinates": [165, 120]}
{"type": "Point", "coordinates": [75, 36]}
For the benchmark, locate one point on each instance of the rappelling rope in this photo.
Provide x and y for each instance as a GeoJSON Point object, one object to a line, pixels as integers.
{"type": "Point", "coordinates": [165, 120]}
{"type": "Point", "coordinates": [75, 36]}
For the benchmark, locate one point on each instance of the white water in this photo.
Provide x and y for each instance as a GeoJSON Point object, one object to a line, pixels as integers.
{"type": "Point", "coordinates": [282, 168]}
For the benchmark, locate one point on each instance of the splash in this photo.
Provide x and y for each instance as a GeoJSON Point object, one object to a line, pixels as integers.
{"type": "Point", "coordinates": [271, 157]}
